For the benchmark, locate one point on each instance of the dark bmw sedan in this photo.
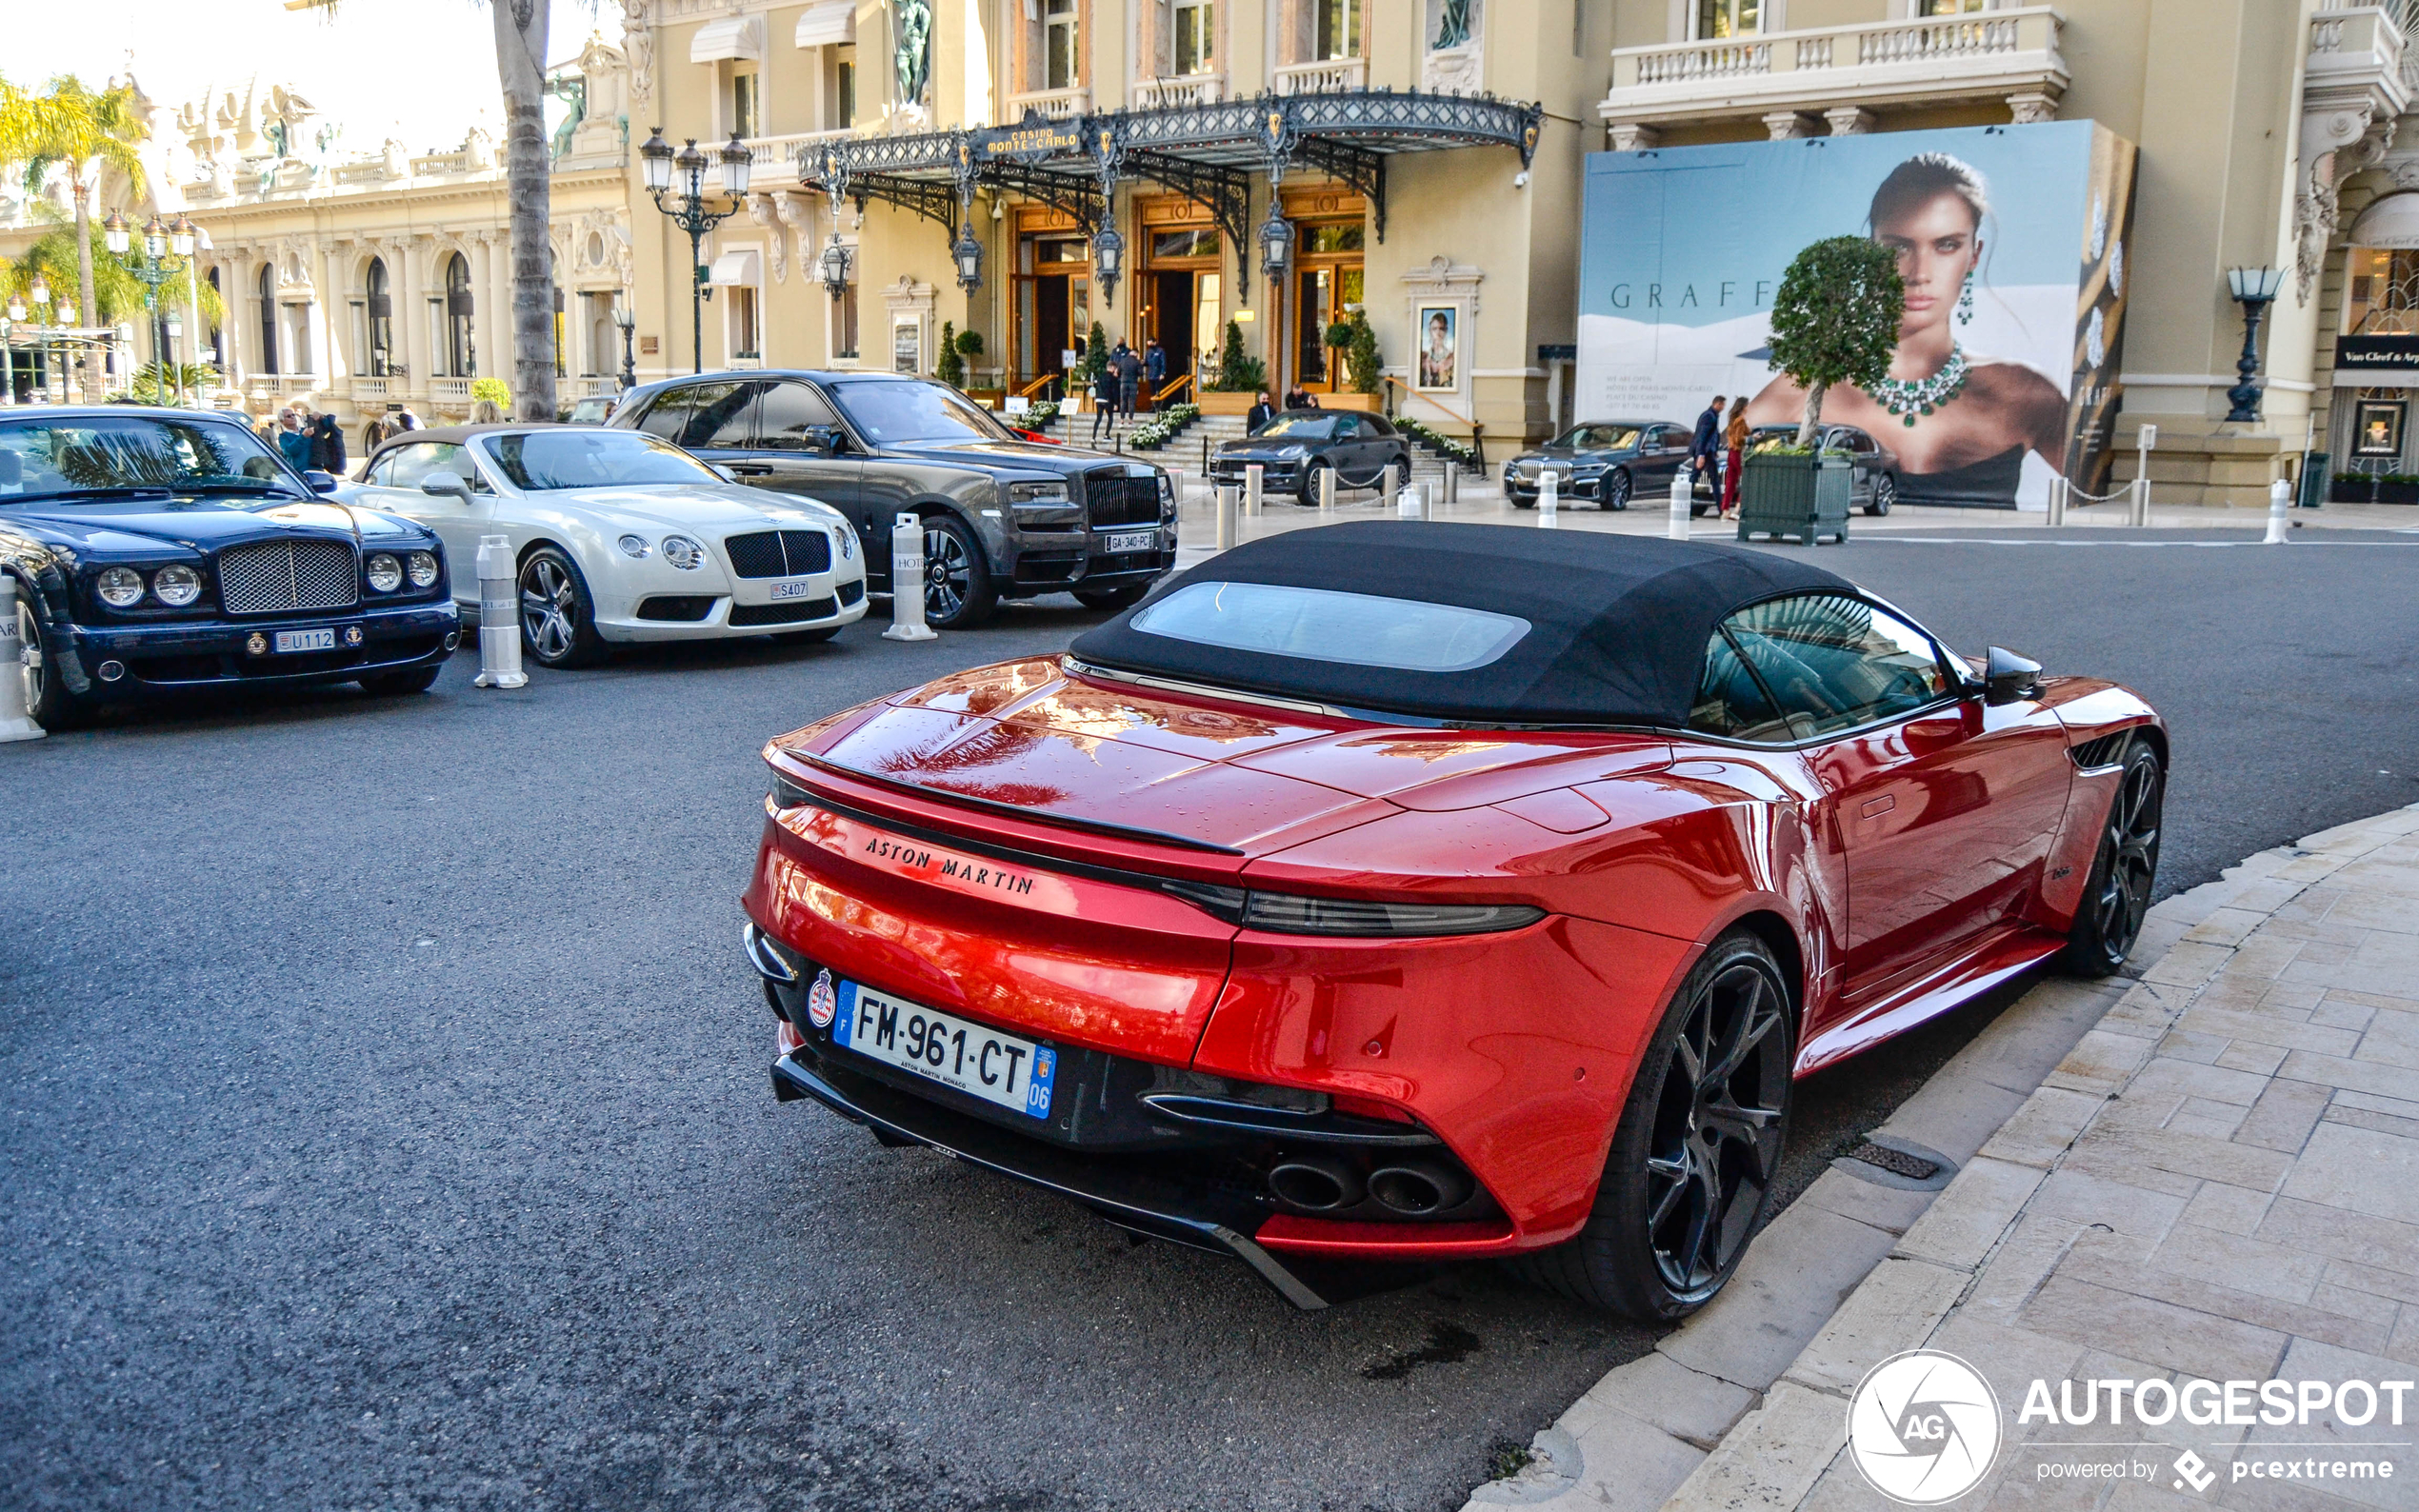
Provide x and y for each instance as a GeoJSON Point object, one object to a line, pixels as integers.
{"type": "Point", "coordinates": [1608, 461]}
{"type": "Point", "coordinates": [164, 549]}
{"type": "Point", "coordinates": [1292, 448]}
{"type": "Point", "coordinates": [1004, 517]}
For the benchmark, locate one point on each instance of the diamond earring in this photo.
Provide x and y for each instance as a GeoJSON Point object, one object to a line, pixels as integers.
{"type": "Point", "coordinates": [1966, 302]}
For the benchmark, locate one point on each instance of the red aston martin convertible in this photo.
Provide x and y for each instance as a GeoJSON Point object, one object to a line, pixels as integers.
{"type": "Point", "coordinates": [1418, 891]}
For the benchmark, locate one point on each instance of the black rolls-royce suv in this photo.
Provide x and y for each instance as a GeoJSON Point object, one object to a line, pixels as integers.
{"type": "Point", "coordinates": [1004, 517]}
{"type": "Point", "coordinates": [163, 549]}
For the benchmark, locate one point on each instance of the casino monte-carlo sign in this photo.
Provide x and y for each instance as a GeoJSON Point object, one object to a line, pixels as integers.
{"type": "Point", "coordinates": [2358, 354]}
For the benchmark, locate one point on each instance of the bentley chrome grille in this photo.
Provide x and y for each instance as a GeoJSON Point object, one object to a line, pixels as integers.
{"type": "Point", "coordinates": [287, 575]}
{"type": "Point", "coordinates": [778, 553]}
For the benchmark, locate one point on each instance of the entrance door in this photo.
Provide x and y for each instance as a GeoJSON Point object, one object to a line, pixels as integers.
{"type": "Point", "coordinates": [1327, 283]}
{"type": "Point", "coordinates": [1172, 320]}
{"type": "Point", "coordinates": [1053, 303]}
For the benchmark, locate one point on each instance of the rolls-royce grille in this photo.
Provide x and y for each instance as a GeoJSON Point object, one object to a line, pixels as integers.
{"type": "Point", "coordinates": [287, 575]}
{"type": "Point", "coordinates": [779, 554]}
{"type": "Point", "coordinates": [1111, 498]}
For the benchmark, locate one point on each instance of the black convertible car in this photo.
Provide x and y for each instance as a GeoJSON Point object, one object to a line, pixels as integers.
{"type": "Point", "coordinates": [158, 550]}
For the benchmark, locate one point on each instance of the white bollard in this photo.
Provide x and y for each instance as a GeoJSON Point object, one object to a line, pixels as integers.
{"type": "Point", "coordinates": [1407, 503]}
{"type": "Point", "coordinates": [2139, 511]}
{"type": "Point", "coordinates": [15, 722]}
{"type": "Point", "coordinates": [1452, 483]}
{"type": "Point", "coordinates": [499, 616]}
{"type": "Point", "coordinates": [1225, 517]}
{"type": "Point", "coordinates": [1396, 475]}
{"type": "Point", "coordinates": [1549, 500]}
{"type": "Point", "coordinates": [1255, 485]}
{"type": "Point", "coordinates": [1427, 499]}
{"type": "Point", "coordinates": [906, 582]}
{"type": "Point", "coordinates": [2058, 500]}
{"type": "Point", "coordinates": [1684, 490]}
{"type": "Point", "coordinates": [1327, 490]}
{"type": "Point", "coordinates": [2280, 498]}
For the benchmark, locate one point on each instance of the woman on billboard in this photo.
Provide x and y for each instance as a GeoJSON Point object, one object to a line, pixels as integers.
{"type": "Point", "coordinates": [1960, 422]}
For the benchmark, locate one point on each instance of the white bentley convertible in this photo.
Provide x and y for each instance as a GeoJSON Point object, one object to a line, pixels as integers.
{"type": "Point", "coordinates": [620, 537]}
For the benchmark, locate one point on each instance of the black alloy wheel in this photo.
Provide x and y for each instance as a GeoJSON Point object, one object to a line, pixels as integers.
{"type": "Point", "coordinates": [47, 697]}
{"type": "Point", "coordinates": [1885, 495]}
{"type": "Point", "coordinates": [957, 584]}
{"type": "Point", "coordinates": [1306, 492]}
{"type": "Point", "coordinates": [2118, 894]}
{"type": "Point", "coordinates": [1693, 1161]}
{"type": "Point", "coordinates": [558, 620]}
{"type": "Point", "coordinates": [1616, 488]}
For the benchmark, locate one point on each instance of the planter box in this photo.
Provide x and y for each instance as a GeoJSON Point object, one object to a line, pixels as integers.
{"type": "Point", "coordinates": [1802, 497]}
{"type": "Point", "coordinates": [2398, 492]}
{"type": "Point", "coordinates": [1366, 403]}
{"type": "Point", "coordinates": [1214, 404]}
{"type": "Point", "coordinates": [2353, 490]}
{"type": "Point", "coordinates": [987, 398]}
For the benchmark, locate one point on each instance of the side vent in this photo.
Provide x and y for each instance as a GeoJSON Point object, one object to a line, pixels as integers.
{"type": "Point", "coordinates": [2101, 750]}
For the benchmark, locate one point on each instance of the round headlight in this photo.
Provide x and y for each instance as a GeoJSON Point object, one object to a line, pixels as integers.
{"type": "Point", "coordinates": [120, 588]}
{"type": "Point", "coordinates": [423, 567]}
{"type": "Point", "coordinates": [386, 573]}
{"type": "Point", "coordinates": [684, 553]}
{"type": "Point", "coordinates": [177, 585]}
{"type": "Point", "coordinates": [633, 545]}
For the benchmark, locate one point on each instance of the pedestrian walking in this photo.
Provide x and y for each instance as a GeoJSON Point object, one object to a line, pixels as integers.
{"type": "Point", "coordinates": [1154, 368]}
{"type": "Point", "coordinates": [293, 444]}
{"type": "Point", "coordinates": [1705, 446]}
{"type": "Point", "coordinates": [328, 446]}
{"type": "Point", "coordinates": [1105, 391]}
{"type": "Point", "coordinates": [1734, 450]}
{"type": "Point", "coordinates": [1129, 368]}
{"type": "Point", "coordinates": [1262, 413]}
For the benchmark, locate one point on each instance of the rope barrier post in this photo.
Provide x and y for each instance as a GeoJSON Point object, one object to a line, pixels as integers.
{"type": "Point", "coordinates": [2139, 514]}
{"type": "Point", "coordinates": [1683, 501]}
{"type": "Point", "coordinates": [906, 581]}
{"type": "Point", "coordinates": [1254, 479]}
{"type": "Point", "coordinates": [16, 720]}
{"type": "Point", "coordinates": [1327, 490]}
{"type": "Point", "coordinates": [2144, 440]}
{"type": "Point", "coordinates": [1396, 473]}
{"type": "Point", "coordinates": [1452, 483]}
{"type": "Point", "coordinates": [1427, 498]}
{"type": "Point", "coordinates": [1549, 500]}
{"type": "Point", "coordinates": [1225, 517]}
{"type": "Point", "coordinates": [2280, 498]}
{"type": "Point", "coordinates": [499, 616]}
{"type": "Point", "coordinates": [2057, 501]}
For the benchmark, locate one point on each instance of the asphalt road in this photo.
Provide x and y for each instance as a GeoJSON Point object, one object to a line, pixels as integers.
{"type": "Point", "coordinates": [388, 1124]}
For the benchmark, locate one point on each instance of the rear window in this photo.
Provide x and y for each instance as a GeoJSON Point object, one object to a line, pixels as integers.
{"type": "Point", "coordinates": [1320, 624]}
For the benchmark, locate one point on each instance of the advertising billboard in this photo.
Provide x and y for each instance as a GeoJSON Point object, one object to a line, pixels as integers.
{"type": "Point", "coordinates": [2011, 240]}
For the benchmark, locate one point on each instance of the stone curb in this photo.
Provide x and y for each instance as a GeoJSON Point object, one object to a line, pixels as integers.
{"type": "Point", "coordinates": [1745, 1405]}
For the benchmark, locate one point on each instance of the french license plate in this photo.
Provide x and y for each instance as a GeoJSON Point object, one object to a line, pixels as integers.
{"type": "Point", "coordinates": [1017, 1074]}
{"type": "Point", "coordinates": [305, 640]}
{"type": "Point", "coordinates": [1125, 541]}
{"type": "Point", "coordinates": [794, 588]}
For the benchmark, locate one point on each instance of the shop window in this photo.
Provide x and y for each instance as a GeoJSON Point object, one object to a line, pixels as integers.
{"type": "Point", "coordinates": [1729, 18]}
{"type": "Point", "coordinates": [2385, 292]}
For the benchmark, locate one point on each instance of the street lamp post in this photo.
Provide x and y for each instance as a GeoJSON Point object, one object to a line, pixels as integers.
{"type": "Point", "coordinates": [2254, 288]}
{"type": "Point", "coordinates": [40, 294]}
{"type": "Point", "coordinates": [167, 252]}
{"type": "Point", "coordinates": [661, 166]}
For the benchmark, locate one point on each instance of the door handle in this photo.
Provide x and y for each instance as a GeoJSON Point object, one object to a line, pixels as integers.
{"type": "Point", "coordinates": [1876, 807]}
{"type": "Point", "coordinates": [751, 469]}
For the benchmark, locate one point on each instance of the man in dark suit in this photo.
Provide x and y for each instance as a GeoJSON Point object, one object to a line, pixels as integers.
{"type": "Point", "coordinates": [1705, 445]}
{"type": "Point", "coordinates": [1262, 413]}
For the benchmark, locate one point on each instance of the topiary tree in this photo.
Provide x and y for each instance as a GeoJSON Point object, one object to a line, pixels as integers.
{"type": "Point", "coordinates": [1835, 320]}
{"type": "Point", "coordinates": [1095, 358]}
{"type": "Point", "coordinates": [970, 343]}
{"type": "Point", "coordinates": [950, 370]}
{"type": "Point", "coordinates": [1237, 374]}
{"type": "Point", "coordinates": [1360, 355]}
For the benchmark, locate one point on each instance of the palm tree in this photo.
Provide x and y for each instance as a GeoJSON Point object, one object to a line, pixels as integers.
{"type": "Point", "coordinates": [520, 66]}
{"type": "Point", "coordinates": [73, 126]}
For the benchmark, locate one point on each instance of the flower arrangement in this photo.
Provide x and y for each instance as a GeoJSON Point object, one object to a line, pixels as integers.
{"type": "Point", "coordinates": [1444, 445]}
{"type": "Point", "coordinates": [1162, 428]}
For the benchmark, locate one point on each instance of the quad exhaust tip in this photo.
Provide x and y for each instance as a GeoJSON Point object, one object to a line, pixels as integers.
{"type": "Point", "coordinates": [1317, 1183]}
{"type": "Point", "coordinates": [1418, 1188]}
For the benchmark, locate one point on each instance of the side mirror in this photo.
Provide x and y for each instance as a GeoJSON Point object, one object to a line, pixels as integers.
{"type": "Point", "coordinates": [725, 474]}
{"type": "Point", "coordinates": [446, 485]}
{"type": "Point", "coordinates": [320, 482]}
{"type": "Point", "coordinates": [826, 439]}
{"type": "Point", "coordinates": [2007, 678]}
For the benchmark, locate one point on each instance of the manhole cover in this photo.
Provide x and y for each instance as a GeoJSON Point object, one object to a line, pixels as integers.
{"type": "Point", "coordinates": [1898, 1162]}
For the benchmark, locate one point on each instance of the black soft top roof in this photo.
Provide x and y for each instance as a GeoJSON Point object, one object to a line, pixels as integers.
{"type": "Point", "coordinates": [1618, 623]}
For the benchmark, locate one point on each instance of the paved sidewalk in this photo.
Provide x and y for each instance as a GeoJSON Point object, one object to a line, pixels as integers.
{"type": "Point", "coordinates": [2211, 1171]}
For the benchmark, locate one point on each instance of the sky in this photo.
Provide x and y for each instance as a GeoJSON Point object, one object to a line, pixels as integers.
{"type": "Point", "coordinates": [422, 71]}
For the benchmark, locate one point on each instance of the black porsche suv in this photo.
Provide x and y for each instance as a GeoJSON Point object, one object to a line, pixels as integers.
{"type": "Point", "coordinates": [1003, 517]}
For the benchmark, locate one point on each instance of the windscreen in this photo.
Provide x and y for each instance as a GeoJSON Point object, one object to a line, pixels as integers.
{"type": "Point", "coordinates": [591, 459]}
{"type": "Point", "coordinates": [1360, 629]}
{"type": "Point", "coordinates": [52, 459]}
{"type": "Point", "coordinates": [1600, 438]}
{"type": "Point", "coordinates": [893, 414]}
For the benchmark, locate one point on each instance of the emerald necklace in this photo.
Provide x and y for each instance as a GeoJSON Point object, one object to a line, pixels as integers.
{"type": "Point", "coordinates": [1907, 398]}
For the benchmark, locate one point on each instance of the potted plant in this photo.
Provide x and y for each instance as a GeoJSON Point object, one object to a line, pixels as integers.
{"type": "Point", "coordinates": [970, 345]}
{"type": "Point", "coordinates": [950, 369]}
{"type": "Point", "coordinates": [1363, 372]}
{"type": "Point", "coordinates": [2398, 487]}
{"type": "Point", "coordinates": [1236, 383]}
{"type": "Point", "coordinates": [1835, 320]}
{"type": "Point", "coordinates": [2352, 488]}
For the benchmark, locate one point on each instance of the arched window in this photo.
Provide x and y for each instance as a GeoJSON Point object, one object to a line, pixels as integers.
{"type": "Point", "coordinates": [380, 299]}
{"type": "Point", "coordinates": [268, 318]}
{"type": "Point", "coordinates": [218, 354]}
{"type": "Point", "coordinates": [462, 352]}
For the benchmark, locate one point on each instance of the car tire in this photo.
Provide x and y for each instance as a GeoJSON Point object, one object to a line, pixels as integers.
{"type": "Point", "coordinates": [2125, 866]}
{"type": "Point", "coordinates": [1691, 1170]}
{"type": "Point", "coordinates": [558, 619]}
{"type": "Point", "coordinates": [46, 696]}
{"type": "Point", "coordinates": [1306, 493]}
{"type": "Point", "coordinates": [1616, 486]}
{"type": "Point", "coordinates": [1885, 495]}
{"type": "Point", "coordinates": [1125, 596]}
{"type": "Point", "coordinates": [1519, 502]}
{"type": "Point", "coordinates": [397, 685]}
{"type": "Point", "coordinates": [958, 594]}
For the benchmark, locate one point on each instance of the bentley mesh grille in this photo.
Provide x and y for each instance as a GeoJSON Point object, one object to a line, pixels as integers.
{"type": "Point", "coordinates": [778, 553]}
{"type": "Point", "coordinates": [287, 575]}
{"type": "Point", "coordinates": [789, 613]}
{"type": "Point", "coordinates": [1111, 498]}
